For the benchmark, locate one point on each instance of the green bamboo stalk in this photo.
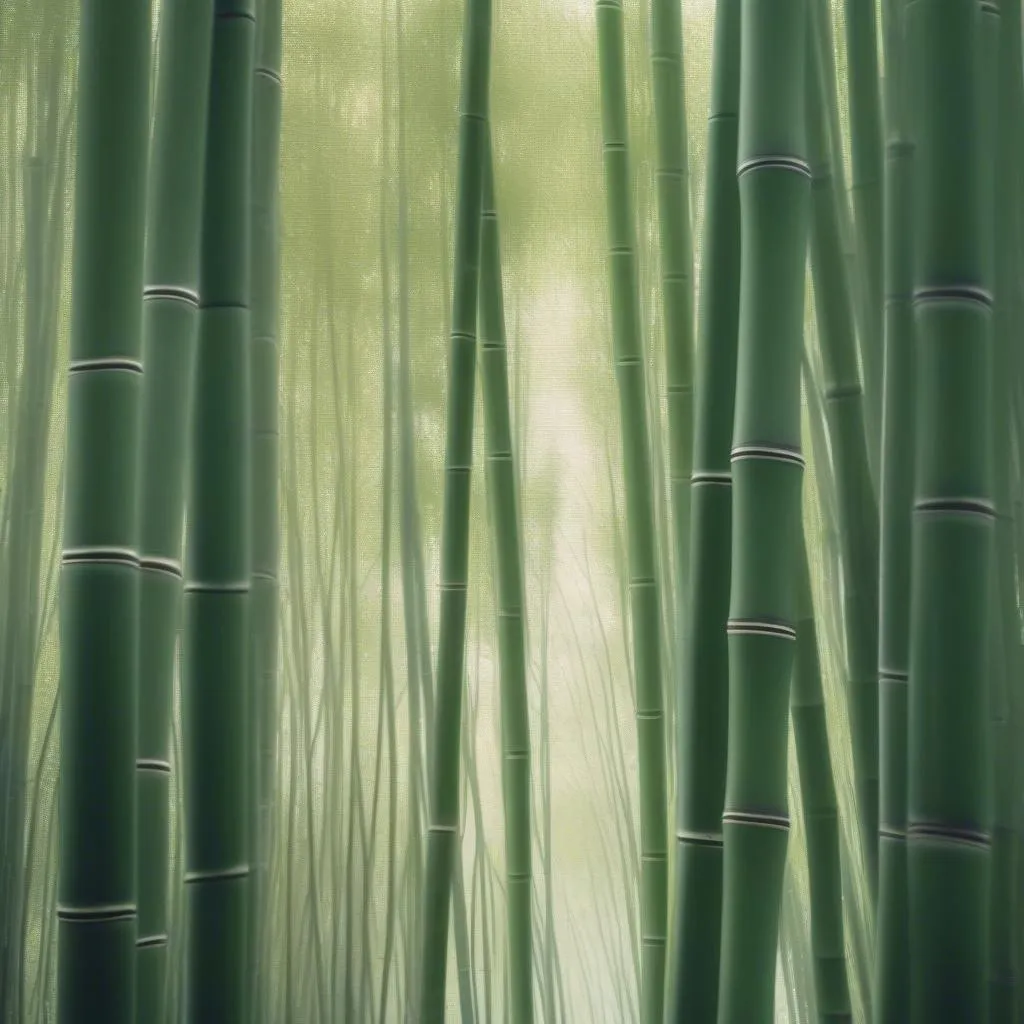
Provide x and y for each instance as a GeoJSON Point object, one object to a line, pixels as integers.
{"type": "Point", "coordinates": [215, 675]}
{"type": "Point", "coordinates": [796, 954]}
{"type": "Point", "coordinates": [386, 703]}
{"type": "Point", "coordinates": [645, 614]}
{"type": "Point", "coordinates": [891, 979]}
{"type": "Point", "coordinates": [96, 902]}
{"type": "Point", "coordinates": [443, 824]}
{"type": "Point", "coordinates": [866, 193]}
{"type": "Point", "coordinates": [820, 811]}
{"type": "Point", "coordinates": [550, 943]}
{"type": "Point", "coordinates": [408, 537]}
{"type": "Point", "coordinates": [858, 904]}
{"type": "Point", "coordinates": [504, 517]}
{"type": "Point", "coordinates": [170, 325]}
{"type": "Point", "coordinates": [767, 470]}
{"type": "Point", "coordinates": [464, 969]}
{"type": "Point", "coordinates": [949, 777]}
{"type": "Point", "coordinates": [355, 779]}
{"type": "Point", "coordinates": [676, 264]}
{"type": "Point", "coordinates": [1004, 99]}
{"type": "Point", "coordinates": [489, 963]}
{"type": "Point", "coordinates": [265, 550]}
{"type": "Point", "coordinates": [19, 655]}
{"type": "Point", "coordinates": [855, 499]}
{"type": "Point", "coordinates": [460, 927]}
{"type": "Point", "coordinates": [702, 722]}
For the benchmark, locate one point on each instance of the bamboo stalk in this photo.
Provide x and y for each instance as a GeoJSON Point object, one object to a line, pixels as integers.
{"type": "Point", "coordinates": [949, 779]}
{"type": "Point", "coordinates": [767, 470]}
{"type": "Point", "coordinates": [215, 691]}
{"type": "Point", "coordinates": [97, 893]}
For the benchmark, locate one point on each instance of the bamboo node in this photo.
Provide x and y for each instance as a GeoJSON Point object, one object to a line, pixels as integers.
{"type": "Point", "coordinates": [776, 452]}
{"type": "Point", "coordinates": [118, 363]}
{"type": "Point", "coordinates": [761, 627]}
{"type": "Point", "coordinates": [778, 162]}
{"type": "Point", "coordinates": [101, 913]}
{"type": "Point", "coordinates": [174, 292]}
{"type": "Point", "coordinates": [223, 875]}
{"type": "Point", "coordinates": [779, 822]}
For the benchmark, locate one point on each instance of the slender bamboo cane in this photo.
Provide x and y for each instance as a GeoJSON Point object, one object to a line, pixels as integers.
{"type": "Point", "coordinates": [855, 498]}
{"type": "Point", "coordinates": [443, 825]}
{"type": "Point", "coordinates": [386, 704]}
{"type": "Point", "coordinates": [702, 722]}
{"type": "Point", "coordinates": [636, 464]}
{"type": "Point", "coordinates": [265, 550]}
{"type": "Point", "coordinates": [19, 655]}
{"type": "Point", "coordinates": [676, 264]}
{"type": "Point", "coordinates": [820, 811]}
{"type": "Point", "coordinates": [891, 992]}
{"type": "Point", "coordinates": [96, 902]}
{"type": "Point", "coordinates": [767, 470]}
{"type": "Point", "coordinates": [218, 555]}
{"type": "Point", "coordinates": [504, 509]}
{"type": "Point", "coordinates": [866, 192]}
{"type": "Point", "coordinates": [1005, 982]}
{"type": "Point", "coordinates": [170, 324]}
{"type": "Point", "coordinates": [408, 536]}
{"type": "Point", "coordinates": [949, 778]}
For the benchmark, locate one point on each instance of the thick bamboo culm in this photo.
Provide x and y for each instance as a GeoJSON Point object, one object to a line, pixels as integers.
{"type": "Point", "coordinates": [215, 643]}
{"type": "Point", "coordinates": [97, 889]}
{"type": "Point", "coordinates": [767, 473]}
{"type": "Point", "coordinates": [949, 803]}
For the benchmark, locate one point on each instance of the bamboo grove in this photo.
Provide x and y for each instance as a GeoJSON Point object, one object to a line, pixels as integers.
{"type": "Point", "coordinates": [511, 512]}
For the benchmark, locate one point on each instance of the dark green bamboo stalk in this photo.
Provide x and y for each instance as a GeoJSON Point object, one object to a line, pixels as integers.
{"type": "Point", "coordinates": [96, 902]}
{"type": "Point", "coordinates": [820, 811]}
{"type": "Point", "coordinates": [1005, 104]}
{"type": "Point", "coordinates": [767, 470]}
{"type": "Point", "coordinates": [891, 990]}
{"type": "Point", "coordinates": [217, 579]}
{"type": "Point", "coordinates": [644, 610]}
{"type": "Point", "coordinates": [265, 550]}
{"type": "Point", "coordinates": [702, 714]}
{"type": "Point", "coordinates": [443, 825]}
{"type": "Point", "coordinates": [504, 508]}
{"type": "Point", "coordinates": [949, 779]}
{"type": "Point", "coordinates": [170, 323]}
{"type": "Point", "coordinates": [855, 498]}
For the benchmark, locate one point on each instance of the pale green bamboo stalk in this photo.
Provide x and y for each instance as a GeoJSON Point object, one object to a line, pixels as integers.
{"type": "Point", "coordinates": [644, 603]}
{"type": "Point", "coordinates": [856, 508]}
{"type": "Point", "coordinates": [442, 835]}
{"type": "Point", "coordinates": [504, 518]}
{"type": "Point", "coordinates": [863, 90]}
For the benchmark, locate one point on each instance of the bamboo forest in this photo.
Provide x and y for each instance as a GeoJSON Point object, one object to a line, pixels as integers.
{"type": "Point", "coordinates": [511, 514]}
